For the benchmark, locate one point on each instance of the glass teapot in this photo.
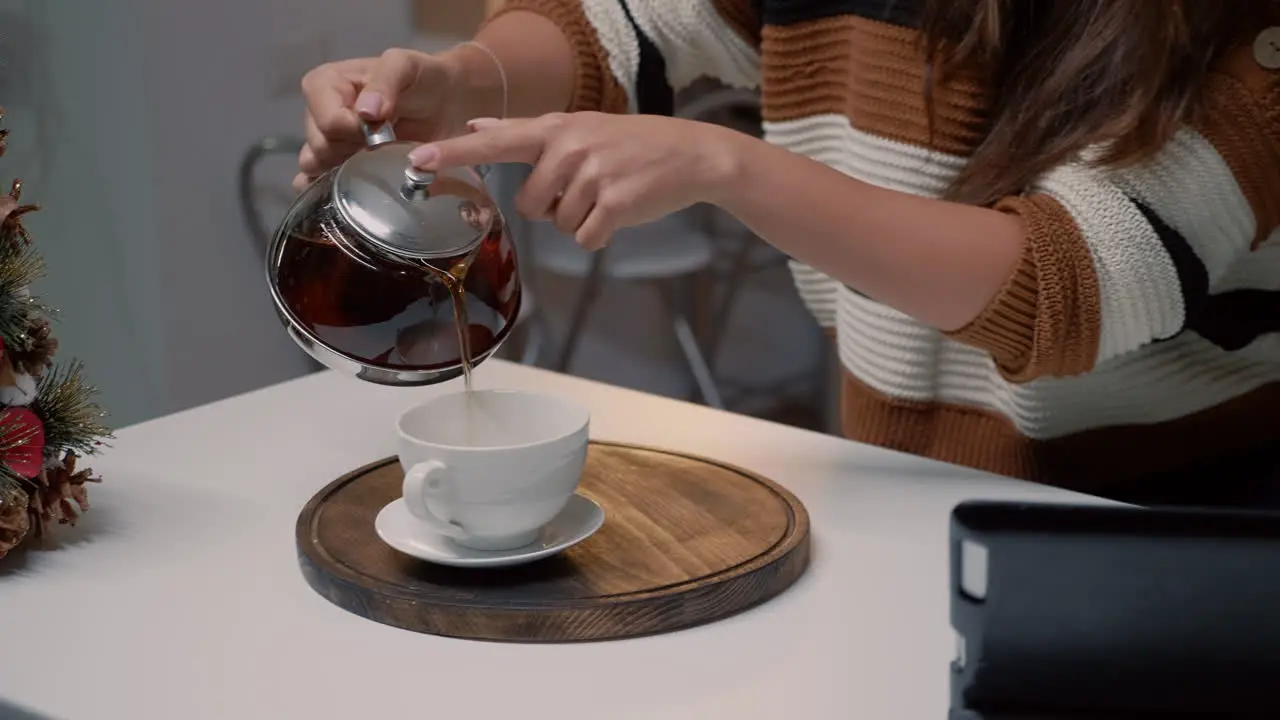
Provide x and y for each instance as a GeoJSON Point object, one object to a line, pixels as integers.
{"type": "Point", "coordinates": [364, 268]}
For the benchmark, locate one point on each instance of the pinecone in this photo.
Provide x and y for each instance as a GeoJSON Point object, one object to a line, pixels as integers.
{"type": "Point", "coordinates": [14, 522]}
{"type": "Point", "coordinates": [60, 495]}
{"type": "Point", "coordinates": [39, 355]}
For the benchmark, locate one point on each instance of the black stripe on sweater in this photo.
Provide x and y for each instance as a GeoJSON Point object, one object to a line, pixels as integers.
{"type": "Point", "coordinates": [654, 95]}
{"type": "Point", "coordinates": [904, 13]}
{"type": "Point", "coordinates": [1234, 319]}
{"type": "Point", "coordinates": [1230, 320]}
{"type": "Point", "coordinates": [1192, 275]}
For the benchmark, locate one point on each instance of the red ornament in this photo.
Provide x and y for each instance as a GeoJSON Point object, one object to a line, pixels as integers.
{"type": "Point", "coordinates": [22, 432]}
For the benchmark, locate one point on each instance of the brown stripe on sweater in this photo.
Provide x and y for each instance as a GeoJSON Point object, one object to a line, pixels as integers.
{"type": "Point", "coordinates": [741, 17]}
{"type": "Point", "coordinates": [1261, 84]}
{"type": "Point", "coordinates": [1240, 114]}
{"type": "Point", "coordinates": [1047, 320]}
{"type": "Point", "coordinates": [805, 68]}
{"type": "Point", "coordinates": [594, 87]}
{"type": "Point", "coordinates": [809, 70]}
{"type": "Point", "coordinates": [1089, 461]}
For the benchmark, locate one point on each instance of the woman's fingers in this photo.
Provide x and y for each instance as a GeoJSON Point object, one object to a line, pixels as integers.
{"type": "Point", "coordinates": [308, 164]}
{"type": "Point", "coordinates": [547, 188]}
{"type": "Point", "coordinates": [327, 151]}
{"type": "Point", "coordinates": [596, 229]}
{"type": "Point", "coordinates": [394, 73]}
{"type": "Point", "coordinates": [330, 91]}
{"type": "Point", "coordinates": [571, 209]}
{"type": "Point", "coordinates": [569, 182]}
{"type": "Point", "coordinates": [498, 141]}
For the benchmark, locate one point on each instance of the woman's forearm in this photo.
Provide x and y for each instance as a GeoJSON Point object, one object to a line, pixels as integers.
{"type": "Point", "coordinates": [536, 57]}
{"type": "Point", "coordinates": [939, 262]}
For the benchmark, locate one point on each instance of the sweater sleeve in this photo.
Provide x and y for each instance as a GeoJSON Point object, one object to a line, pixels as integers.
{"type": "Point", "coordinates": [635, 55]}
{"type": "Point", "coordinates": [1116, 259]}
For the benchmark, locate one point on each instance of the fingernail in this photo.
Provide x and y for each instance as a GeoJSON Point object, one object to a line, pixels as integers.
{"type": "Point", "coordinates": [424, 155]}
{"type": "Point", "coordinates": [369, 105]}
{"type": "Point", "coordinates": [482, 123]}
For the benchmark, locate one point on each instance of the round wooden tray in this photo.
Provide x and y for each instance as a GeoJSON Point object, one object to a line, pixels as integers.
{"type": "Point", "coordinates": [685, 541]}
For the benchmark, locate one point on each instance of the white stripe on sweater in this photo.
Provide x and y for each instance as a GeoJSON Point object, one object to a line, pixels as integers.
{"type": "Point", "coordinates": [818, 292]}
{"type": "Point", "coordinates": [832, 140]}
{"type": "Point", "coordinates": [1259, 270]}
{"type": "Point", "coordinates": [1138, 285]}
{"type": "Point", "coordinates": [696, 42]}
{"type": "Point", "coordinates": [1161, 382]}
{"type": "Point", "coordinates": [886, 349]}
{"type": "Point", "coordinates": [619, 42]}
{"type": "Point", "coordinates": [1191, 188]}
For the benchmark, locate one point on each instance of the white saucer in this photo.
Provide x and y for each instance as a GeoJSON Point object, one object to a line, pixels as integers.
{"type": "Point", "coordinates": [579, 520]}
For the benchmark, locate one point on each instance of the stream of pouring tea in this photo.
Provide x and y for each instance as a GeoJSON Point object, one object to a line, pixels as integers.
{"type": "Point", "coordinates": [453, 280]}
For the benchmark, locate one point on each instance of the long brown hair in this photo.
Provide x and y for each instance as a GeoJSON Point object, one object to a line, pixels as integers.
{"type": "Point", "coordinates": [1071, 74]}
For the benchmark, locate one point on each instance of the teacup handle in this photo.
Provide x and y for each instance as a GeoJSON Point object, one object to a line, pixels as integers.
{"type": "Point", "coordinates": [426, 480]}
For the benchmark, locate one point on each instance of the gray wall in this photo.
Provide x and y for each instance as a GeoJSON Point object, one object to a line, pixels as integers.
{"type": "Point", "coordinates": [127, 120]}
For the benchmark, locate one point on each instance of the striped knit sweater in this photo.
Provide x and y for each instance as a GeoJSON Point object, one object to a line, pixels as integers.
{"type": "Point", "coordinates": [1141, 332]}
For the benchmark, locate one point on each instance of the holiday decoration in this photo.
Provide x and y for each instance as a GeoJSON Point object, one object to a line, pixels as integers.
{"type": "Point", "coordinates": [48, 419]}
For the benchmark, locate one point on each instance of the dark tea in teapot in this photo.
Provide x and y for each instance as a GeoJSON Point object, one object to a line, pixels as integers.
{"type": "Point", "coordinates": [398, 313]}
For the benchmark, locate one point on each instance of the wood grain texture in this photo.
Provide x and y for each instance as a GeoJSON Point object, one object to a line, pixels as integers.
{"type": "Point", "coordinates": [685, 541]}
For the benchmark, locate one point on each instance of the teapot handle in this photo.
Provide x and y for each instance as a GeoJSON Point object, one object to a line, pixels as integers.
{"type": "Point", "coordinates": [382, 133]}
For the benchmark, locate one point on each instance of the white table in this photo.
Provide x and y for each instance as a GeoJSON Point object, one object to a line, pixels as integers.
{"type": "Point", "coordinates": [179, 595]}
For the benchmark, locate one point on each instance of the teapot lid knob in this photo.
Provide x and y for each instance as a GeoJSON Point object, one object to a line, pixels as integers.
{"type": "Point", "coordinates": [408, 212]}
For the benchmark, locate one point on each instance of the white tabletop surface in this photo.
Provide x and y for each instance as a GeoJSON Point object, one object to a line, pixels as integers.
{"type": "Point", "coordinates": [179, 595]}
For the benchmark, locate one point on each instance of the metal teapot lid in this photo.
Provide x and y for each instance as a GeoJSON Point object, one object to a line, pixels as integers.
{"type": "Point", "coordinates": [408, 212]}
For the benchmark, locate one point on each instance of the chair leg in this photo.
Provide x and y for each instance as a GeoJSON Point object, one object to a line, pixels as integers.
{"type": "Point", "coordinates": [829, 388]}
{"type": "Point", "coordinates": [723, 306]}
{"type": "Point", "coordinates": [534, 337]}
{"type": "Point", "coordinates": [581, 309]}
{"type": "Point", "coordinates": [676, 295]}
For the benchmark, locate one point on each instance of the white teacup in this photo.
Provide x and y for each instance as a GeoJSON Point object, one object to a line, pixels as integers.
{"type": "Point", "coordinates": [489, 468]}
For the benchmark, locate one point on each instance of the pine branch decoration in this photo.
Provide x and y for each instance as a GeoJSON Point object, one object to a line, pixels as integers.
{"type": "Point", "coordinates": [40, 485]}
{"type": "Point", "coordinates": [11, 479]}
{"type": "Point", "coordinates": [72, 421]}
{"type": "Point", "coordinates": [21, 266]}
{"type": "Point", "coordinates": [20, 312]}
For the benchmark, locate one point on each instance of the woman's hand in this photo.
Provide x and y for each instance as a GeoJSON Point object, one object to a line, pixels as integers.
{"type": "Point", "coordinates": [939, 262]}
{"type": "Point", "coordinates": [424, 94]}
{"type": "Point", "coordinates": [596, 173]}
